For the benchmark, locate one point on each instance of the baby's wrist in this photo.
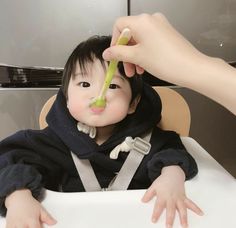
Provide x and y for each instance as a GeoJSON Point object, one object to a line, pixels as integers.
{"type": "Point", "coordinates": [14, 196]}
{"type": "Point", "coordinates": [174, 170]}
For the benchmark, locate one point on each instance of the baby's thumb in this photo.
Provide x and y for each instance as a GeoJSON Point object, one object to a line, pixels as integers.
{"type": "Point", "coordinates": [149, 194]}
{"type": "Point", "coordinates": [47, 218]}
{"type": "Point", "coordinates": [121, 53]}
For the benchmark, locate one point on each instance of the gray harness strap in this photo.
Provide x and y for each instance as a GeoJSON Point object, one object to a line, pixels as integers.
{"type": "Point", "coordinates": [86, 174]}
{"type": "Point", "coordinates": [141, 147]}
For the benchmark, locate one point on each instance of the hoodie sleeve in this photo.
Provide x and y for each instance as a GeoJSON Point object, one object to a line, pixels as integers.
{"type": "Point", "coordinates": [172, 152]}
{"type": "Point", "coordinates": [24, 163]}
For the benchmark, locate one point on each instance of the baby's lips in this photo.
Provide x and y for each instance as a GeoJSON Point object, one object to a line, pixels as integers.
{"type": "Point", "coordinates": [97, 110]}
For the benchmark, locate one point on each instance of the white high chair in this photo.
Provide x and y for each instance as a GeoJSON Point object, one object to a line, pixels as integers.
{"type": "Point", "coordinates": [213, 189]}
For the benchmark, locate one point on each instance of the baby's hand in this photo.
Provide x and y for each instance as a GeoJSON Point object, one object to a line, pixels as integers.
{"type": "Point", "coordinates": [170, 194]}
{"type": "Point", "coordinates": [24, 211]}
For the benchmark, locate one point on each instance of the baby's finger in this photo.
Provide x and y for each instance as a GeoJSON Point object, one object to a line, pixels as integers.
{"type": "Point", "coordinates": [157, 210]}
{"type": "Point", "coordinates": [193, 207]}
{"type": "Point", "coordinates": [45, 217]}
{"type": "Point", "coordinates": [149, 194]}
{"type": "Point", "coordinates": [182, 214]}
{"type": "Point", "coordinates": [34, 224]}
{"type": "Point", "coordinates": [170, 214]}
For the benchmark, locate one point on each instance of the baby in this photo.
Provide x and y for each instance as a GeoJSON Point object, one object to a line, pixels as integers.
{"type": "Point", "coordinates": [77, 134]}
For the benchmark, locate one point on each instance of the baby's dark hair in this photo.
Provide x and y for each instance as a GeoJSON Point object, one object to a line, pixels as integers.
{"type": "Point", "coordinates": [88, 51]}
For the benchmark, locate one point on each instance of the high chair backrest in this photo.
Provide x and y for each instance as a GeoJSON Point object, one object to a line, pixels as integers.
{"type": "Point", "coordinates": [45, 110]}
{"type": "Point", "coordinates": [175, 111]}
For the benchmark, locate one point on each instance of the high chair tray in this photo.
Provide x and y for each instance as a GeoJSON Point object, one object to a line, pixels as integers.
{"type": "Point", "coordinates": [213, 189]}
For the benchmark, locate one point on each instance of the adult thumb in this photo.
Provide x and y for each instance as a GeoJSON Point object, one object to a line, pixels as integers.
{"type": "Point", "coordinates": [122, 53]}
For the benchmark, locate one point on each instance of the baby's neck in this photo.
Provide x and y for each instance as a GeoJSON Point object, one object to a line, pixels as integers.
{"type": "Point", "coordinates": [103, 133]}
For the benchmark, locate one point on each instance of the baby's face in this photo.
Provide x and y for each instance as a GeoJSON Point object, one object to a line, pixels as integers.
{"type": "Point", "coordinates": [83, 88]}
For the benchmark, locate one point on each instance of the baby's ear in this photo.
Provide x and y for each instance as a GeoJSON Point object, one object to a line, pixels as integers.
{"type": "Point", "coordinates": [134, 105]}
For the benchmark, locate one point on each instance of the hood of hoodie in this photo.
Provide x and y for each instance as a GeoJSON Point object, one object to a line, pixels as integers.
{"type": "Point", "coordinates": [146, 116]}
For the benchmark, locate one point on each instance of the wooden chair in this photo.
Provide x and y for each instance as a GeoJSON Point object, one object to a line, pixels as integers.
{"type": "Point", "coordinates": [175, 111]}
{"type": "Point", "coordinates": [44, 112]}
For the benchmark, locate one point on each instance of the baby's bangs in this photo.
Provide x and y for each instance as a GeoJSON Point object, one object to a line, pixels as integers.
{"type": "Point", "coordinates": [85, 63]}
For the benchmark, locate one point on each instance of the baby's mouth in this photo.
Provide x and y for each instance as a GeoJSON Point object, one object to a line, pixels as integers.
{"type": "Point", "coordinates": [97, 110]}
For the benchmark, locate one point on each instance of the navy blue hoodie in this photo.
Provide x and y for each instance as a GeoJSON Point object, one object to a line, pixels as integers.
{"type": "Point", "coordinates": [37, 159]}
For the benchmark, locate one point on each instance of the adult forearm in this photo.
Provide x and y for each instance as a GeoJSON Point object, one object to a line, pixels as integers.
{"type": "Point", "coordinates": [214, 78]}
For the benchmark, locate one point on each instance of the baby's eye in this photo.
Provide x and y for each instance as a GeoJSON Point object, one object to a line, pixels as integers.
{"type": "Point", "coordinates": [84, 84]}
{"type": "Point", "coordinates": [114, 86]}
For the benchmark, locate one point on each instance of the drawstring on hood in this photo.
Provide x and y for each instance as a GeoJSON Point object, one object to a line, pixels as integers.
{"type": "Point", "coordinates": [91, 131]}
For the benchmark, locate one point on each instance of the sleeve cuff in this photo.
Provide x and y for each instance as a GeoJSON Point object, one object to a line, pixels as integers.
{"type": "Point", "coordinates": [19, 176]}
{"type": "Point", "coordinates": [172, 157]}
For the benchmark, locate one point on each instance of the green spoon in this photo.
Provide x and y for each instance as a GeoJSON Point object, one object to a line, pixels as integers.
{"type": "Point", "coordinates": [100, 101]}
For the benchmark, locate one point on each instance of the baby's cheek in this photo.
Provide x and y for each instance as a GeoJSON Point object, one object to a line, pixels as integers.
{"type": "Point", "coordinates": [120, 110]}
{"type": "Point", "coordinates": [74, 109]}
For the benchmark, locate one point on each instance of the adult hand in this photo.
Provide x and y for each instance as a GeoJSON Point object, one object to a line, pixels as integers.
{"type": "Point", "coordinates": [162, 51]}
{"type": "Point", "coordinates": [155, 46]}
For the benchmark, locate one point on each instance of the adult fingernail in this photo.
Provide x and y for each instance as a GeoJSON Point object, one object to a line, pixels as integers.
{"type": "Point", "coordinates": [106, 54]}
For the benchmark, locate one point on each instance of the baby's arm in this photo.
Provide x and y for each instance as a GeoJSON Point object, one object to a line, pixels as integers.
{"type": "Point", "coordinates": [23, 210]}
{"type": "Point", "coordinates": [26, 166]}
{"type": "Point", "coordinates": [170, 194]}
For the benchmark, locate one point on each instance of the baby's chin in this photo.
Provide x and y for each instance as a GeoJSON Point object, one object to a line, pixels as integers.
{"type": "Point", "coordinates": [102, 125]}
{"type": "Point", "coordinates": [101, 122]}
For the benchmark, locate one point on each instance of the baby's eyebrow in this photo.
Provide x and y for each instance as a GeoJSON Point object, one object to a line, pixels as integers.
{"type": "Point", "coordinates": [120, 77]}
{"type": "Point", "coordinates": [82, 74]}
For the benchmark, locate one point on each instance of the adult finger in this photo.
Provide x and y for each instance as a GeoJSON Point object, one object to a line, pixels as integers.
{"type": "Point", "coordinates": [129, 69]}
{"type": "Point", "coordinates": [121, 53]}
{"type": "Point", "coordinates": [120, 24]}
{"type": "Point", "coordinates": [139, 69]}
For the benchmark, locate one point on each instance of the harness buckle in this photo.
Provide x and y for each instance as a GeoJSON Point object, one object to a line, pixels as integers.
{"type": "Point", "coordinates": [141, 145]}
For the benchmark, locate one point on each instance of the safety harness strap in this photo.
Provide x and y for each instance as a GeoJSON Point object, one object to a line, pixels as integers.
{"type": "Point", "coordinates": [86, 174]}
{"type": "Point", "coordinates": [140, 148]}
